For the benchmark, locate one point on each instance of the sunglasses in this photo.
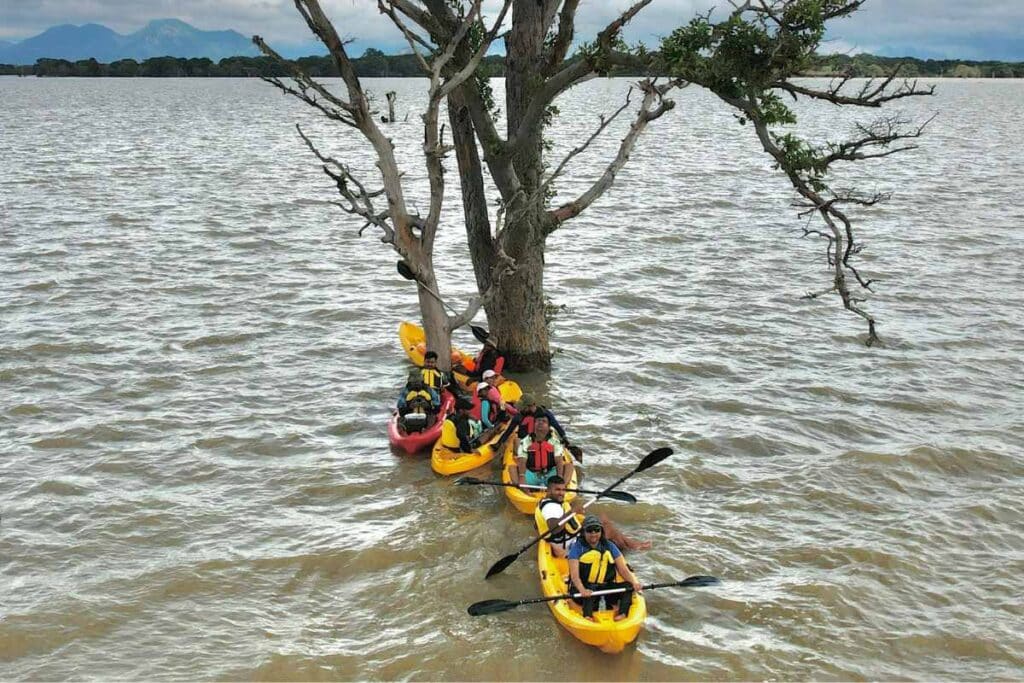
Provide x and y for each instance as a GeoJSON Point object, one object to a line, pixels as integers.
{"type": "Point", "coordinates": [593, 530]}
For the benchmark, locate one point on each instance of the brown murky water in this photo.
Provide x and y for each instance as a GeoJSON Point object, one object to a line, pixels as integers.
{"type": "Point", "coordinates": [197, 354]}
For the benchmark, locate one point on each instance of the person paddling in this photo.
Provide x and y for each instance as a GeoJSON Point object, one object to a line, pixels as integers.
{"type": "Point", "coordinates": [593, 564]}
{"type": "Point", "coordinates": [553, 507]}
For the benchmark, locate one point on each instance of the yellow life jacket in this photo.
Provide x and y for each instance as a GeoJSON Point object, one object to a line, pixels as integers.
{"type": "Point", "coordinates": [569, 529]}
{"type": "Point", "coordinates": [432, 378]}
{"type": "Point", "coordinates": [595, 563]}
{"type": "Point", "coordinates": [420, 394]}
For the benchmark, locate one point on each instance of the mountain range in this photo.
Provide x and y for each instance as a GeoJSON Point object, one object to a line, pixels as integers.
{"type": "Point", "coordinates": [159, 38]}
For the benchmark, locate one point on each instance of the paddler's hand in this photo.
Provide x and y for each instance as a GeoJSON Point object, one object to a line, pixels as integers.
{"type": "Point", "coordinates": [637, 586]}
{"type": "Point", "coordinates": [586, 592]}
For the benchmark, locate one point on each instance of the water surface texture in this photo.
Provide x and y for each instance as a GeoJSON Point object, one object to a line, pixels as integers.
{"type": "Point", "coordinates": [198, 353]}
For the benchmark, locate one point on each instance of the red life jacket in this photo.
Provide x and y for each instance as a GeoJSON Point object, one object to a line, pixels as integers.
{"type": "Point", "coordinates": [540, 456]}
{"type": "Point", "coordinates": [526, 424]}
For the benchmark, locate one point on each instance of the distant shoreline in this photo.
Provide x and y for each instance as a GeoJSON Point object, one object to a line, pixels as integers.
{"type": "Point", "coordinates": [374, 63]}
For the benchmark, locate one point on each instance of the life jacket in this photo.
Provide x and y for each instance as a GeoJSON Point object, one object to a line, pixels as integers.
{"type": "Point", "coordinates": [415, 395]}
{"type": "Point", "coordinates": [595, 564]}
{"type": "Point", "coordinates": [540, 456]}
{"type": "Point", "coordinates": [569, 529]}
{"type": "Point", "coordinates": [486, 361]}
{"type": "Point", "coordinates": [432, 378]}
{"type": "Point", "coordinates": [526, 424]}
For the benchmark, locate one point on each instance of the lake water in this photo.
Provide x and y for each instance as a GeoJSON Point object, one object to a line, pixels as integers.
{"type": "Point", "coordinates": [198, 355]}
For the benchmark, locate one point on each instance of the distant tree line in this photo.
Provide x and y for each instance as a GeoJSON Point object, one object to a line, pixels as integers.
{"type": "Point", "coordinates": [865, 65]}
{"type": "Point", "coordinates": [376, 63]}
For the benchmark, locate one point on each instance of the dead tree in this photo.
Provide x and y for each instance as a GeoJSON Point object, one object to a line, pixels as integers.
{"type": "Point", "coordinates": [410, 234]}
{"type": "Point", "coordinates": [391, 95]}
{"type": "Point", "coordinates": [748, 59]}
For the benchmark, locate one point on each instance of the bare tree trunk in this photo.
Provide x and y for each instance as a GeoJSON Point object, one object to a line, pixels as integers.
{"type": "Point", "coordinates": [435, 325]}
{"type": "Point", "coordinates": [391, 95]}
{"type": "Point", "coordinates": [474, 198]}
{"type": "Point", "coordinates": [516, 315]}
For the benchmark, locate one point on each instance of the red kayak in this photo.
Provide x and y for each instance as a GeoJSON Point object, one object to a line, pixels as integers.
{"type": "Point", "coordinates": [413, 442]}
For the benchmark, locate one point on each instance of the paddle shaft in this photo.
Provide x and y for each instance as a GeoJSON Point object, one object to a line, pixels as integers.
{"type": "Point", "coordinates": [495, 606]}
{"type": "Point", "coordinates": [569, 516]}
{"type": "Point", "coordinates": [650, 460]}
{"type": "Point", "coordinates": [480, 482]}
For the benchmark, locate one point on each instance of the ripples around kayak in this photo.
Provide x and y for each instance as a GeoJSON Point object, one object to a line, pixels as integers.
{"type": "Point", "coordinates": [198, 355]}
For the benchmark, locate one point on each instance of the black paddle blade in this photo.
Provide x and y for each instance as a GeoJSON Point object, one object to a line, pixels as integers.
{"type": "Point", "coordinates": [501, 565]}
{"type": "Point", "coordinates": [405, 271]}
{"type": "Point", "coordinates": [653, 458]}
{"type": "Point", "coordinates": [620, 495]}
{"type": "Point", "coordinates": [490, 607]}
{"type": "Point", "coordinates": [464, 481]}
{"type": "Point", "coordinates": [700, 580]}
{"type": "Point", "coordinates": [480, 333]}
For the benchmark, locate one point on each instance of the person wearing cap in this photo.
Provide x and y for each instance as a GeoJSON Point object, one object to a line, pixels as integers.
{"type": "Point", "coordinates": [529, 410]}
{"type": "Point", "coordinates": [486, 410]}
{"type": "Point", "coordinates": [489, 358]}
{"type": "Point", "coordinates": [553, 508]}
{"type": "Point", "coordinates": [540, 457]}
{"type": "Point", "coordinates": [459, 431]}
{"type": "Point", "coordinates": [594, 562]}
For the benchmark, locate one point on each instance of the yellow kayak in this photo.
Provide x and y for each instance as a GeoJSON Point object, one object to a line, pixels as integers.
{"type": "Point", "coordinates": [447, 462]}
{"type": "Point", "coordinates": [414, 343]}
{"type": "Point", "coordinates": [606, 634]}
{"type": "Point", "coordinates": [526, 501]}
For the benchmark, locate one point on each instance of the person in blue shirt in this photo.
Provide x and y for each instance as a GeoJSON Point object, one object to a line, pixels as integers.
{"type": "Point", "coordinates": [593, 564]}
{"type": "Point", "coordinates": [489, 412]}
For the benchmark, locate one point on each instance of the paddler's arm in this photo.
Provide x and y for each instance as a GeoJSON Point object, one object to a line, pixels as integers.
{"type": "Point", "coordinates": [625, 573]}
{"type": "Point", "coordinates": [574, 576]}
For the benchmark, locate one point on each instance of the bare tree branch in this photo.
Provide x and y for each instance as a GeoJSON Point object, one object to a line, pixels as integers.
{"type": "Point", "coordinates": [504, 265]}
{"type": "Point", "coordinates": [648, 112]}
{"type": "Point", "coordinates": [411, 38]}
{"type": "Point", "coordinates": [577, 72]}
{"type": "Point", "coordinates": [360, 201]}
{"type": "Point", "coordinates": [603, 123]}
{"type": "Point", "coordinates": [421, 18]}
{"type": "Point", "coordinates": [340, 111]}
{"type": "Point", "coordinates": [806, 167]}
{"type": "Point", "coordinates": [563, 39]}
{"type": "Point", "coordinates": [871, 94]}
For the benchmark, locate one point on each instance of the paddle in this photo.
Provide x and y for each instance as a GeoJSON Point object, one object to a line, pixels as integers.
{"type": "Point", "coordinates": [405, 271]}
{"type": "Point", "coordinates": [494, 606]}
{"type": "Point", "coordinates": [650, 460]}
{"type": "Point", "coordinates": [473, 481]}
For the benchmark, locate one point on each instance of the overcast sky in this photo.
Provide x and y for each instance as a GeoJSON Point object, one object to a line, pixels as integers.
{"type": "Point", "coordinates": [966, 29]}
